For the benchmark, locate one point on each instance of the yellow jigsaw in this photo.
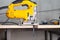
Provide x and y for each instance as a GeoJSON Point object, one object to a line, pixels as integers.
{"type": "Point", "coordinates": [12, 13]}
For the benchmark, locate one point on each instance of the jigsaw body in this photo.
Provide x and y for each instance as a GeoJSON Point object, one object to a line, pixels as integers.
{"type": "Point", "coordinates": [12, 13]}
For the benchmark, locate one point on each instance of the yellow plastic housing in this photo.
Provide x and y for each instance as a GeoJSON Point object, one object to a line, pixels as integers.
{"type": "Point", "coordinates": [12, 13]}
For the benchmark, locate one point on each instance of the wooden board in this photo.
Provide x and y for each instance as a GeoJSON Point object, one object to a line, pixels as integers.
{"type": "Point", "coordinates": [39, 26]}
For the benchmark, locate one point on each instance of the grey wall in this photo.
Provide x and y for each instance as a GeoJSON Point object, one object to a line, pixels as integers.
{"type": "Point", "coordinates": [18, 34]}
{"type": "Point", "coordinates": [27, 35]}
{"type": "Point", "coordinates": [44, 5]}
{"type": "Point", "coordinates": [54, 36]}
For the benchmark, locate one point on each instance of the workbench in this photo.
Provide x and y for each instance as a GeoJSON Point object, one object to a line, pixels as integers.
{"type": "Point", "coordinates": [46, 28]}
{"type": "Point", "coordinates": [38, 26]}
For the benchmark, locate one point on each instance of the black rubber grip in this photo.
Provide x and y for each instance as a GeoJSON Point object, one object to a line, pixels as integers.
{"type": "Point", "coordinates": [4, 7]}
{"type": "Point", "coordinates": [17, 1]}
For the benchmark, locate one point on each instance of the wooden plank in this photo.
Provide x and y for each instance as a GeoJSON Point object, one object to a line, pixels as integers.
{"type": "Point", "coordinates": [48, 26]}
{"type": "Point", "coordinates": [14, 26]}
{"type": "Point", "coordinates": [39, 26]}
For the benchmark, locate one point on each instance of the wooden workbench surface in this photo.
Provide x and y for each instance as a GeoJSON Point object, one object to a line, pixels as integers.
{"type": "Point", "coordinates": [39, 26]}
